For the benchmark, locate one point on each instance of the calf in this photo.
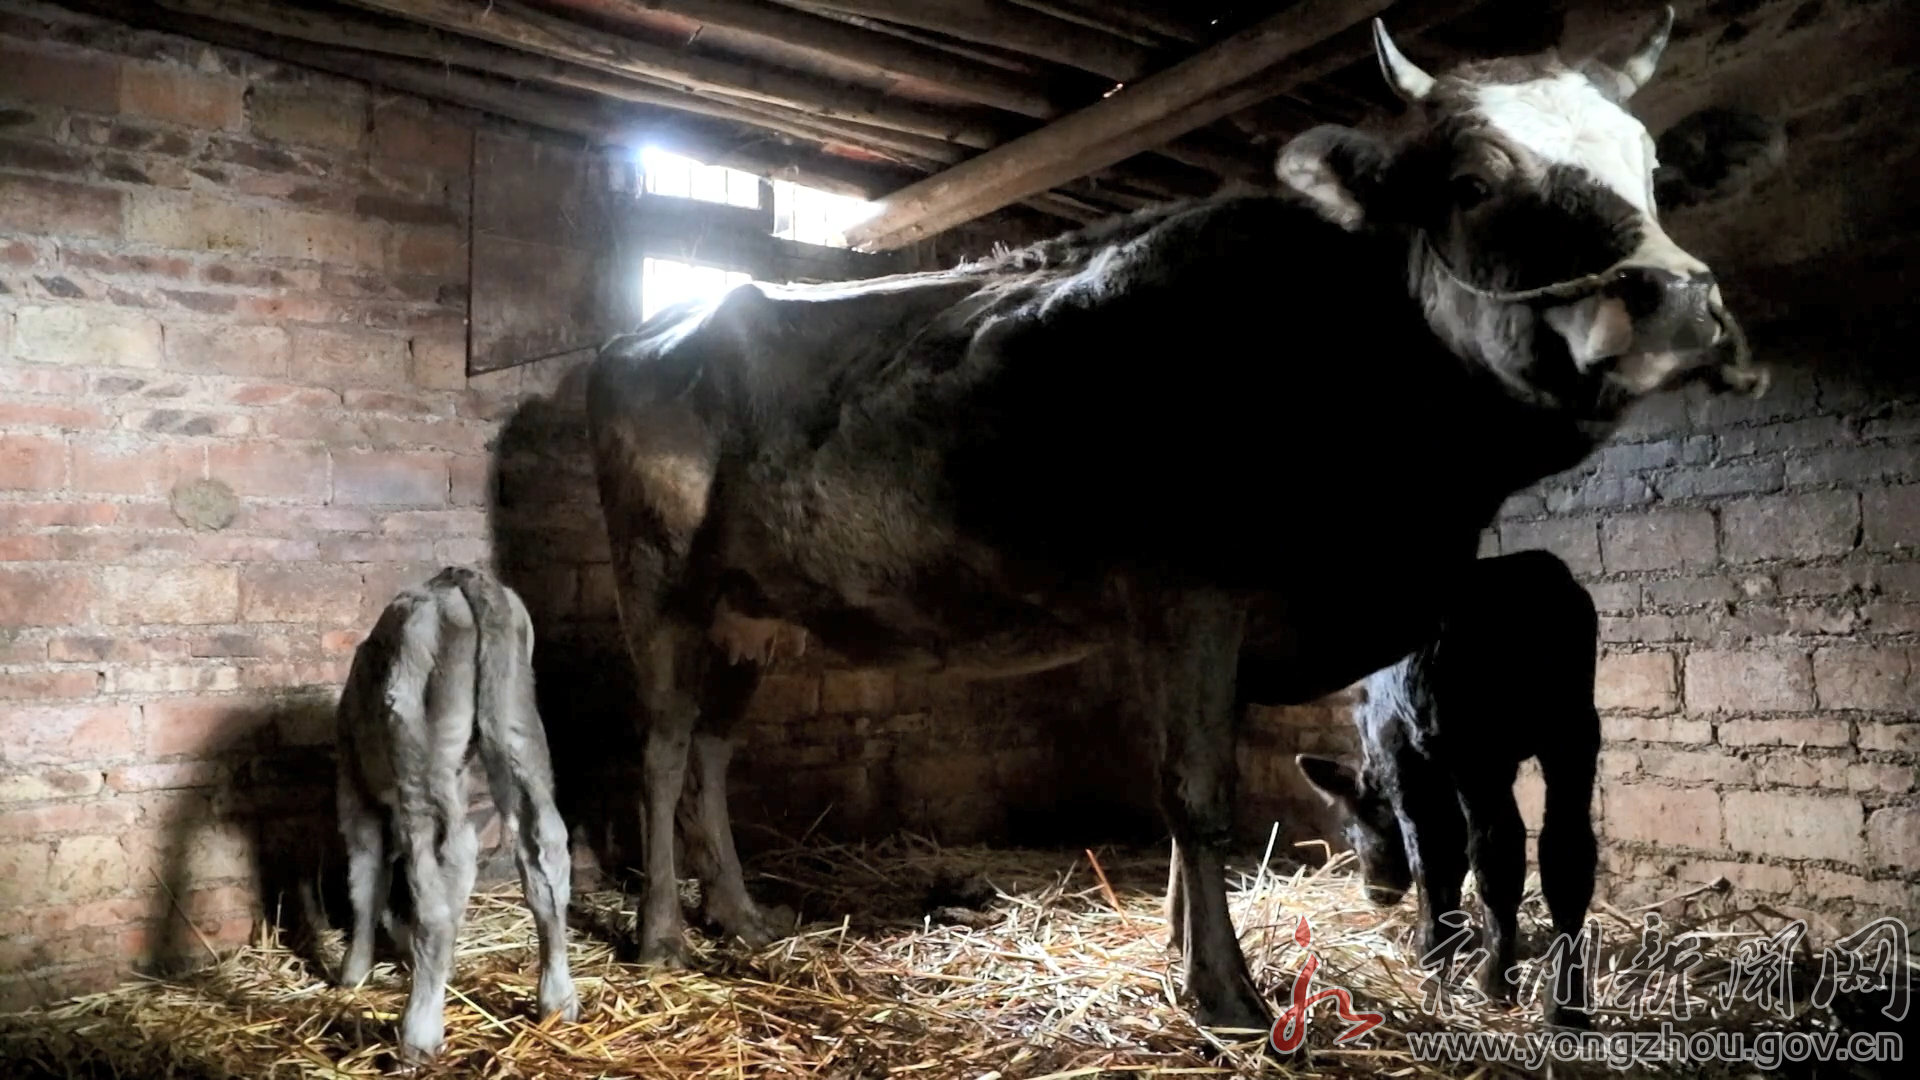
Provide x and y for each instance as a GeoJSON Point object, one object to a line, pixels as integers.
{"type": "Point", "coordinates": [446, 672]}
{"type": "Point", "coordinates": [1444, 730]}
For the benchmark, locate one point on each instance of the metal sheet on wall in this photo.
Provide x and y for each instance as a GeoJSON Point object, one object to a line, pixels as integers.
{"type": "Point", "coordinates": [555, 268]}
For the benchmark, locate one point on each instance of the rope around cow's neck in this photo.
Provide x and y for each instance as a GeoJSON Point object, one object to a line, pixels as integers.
{"type": "Point", "coordinates": [1571, 289]}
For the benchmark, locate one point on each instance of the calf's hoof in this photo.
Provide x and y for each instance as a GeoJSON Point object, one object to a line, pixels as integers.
{"type": "Point", "coordinates": [557, 998]}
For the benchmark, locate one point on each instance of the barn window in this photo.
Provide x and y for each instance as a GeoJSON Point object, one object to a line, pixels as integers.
{"type": "Point", "coordinates": [812, 216]}
{"type": "Point", "coordinates": [664, 282]}
{"type": "Point", "coordinates": [683, 177]}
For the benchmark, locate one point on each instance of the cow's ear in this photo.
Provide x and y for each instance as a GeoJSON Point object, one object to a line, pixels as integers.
{"type": "Point", "coordinates": [1342, 172]}
{"type": "Point", "coordinates": [1335, 780]}
{"type": "Point", "coordinates": [1714, 154]}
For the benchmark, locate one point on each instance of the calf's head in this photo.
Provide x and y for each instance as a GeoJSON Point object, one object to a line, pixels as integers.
{"type": "Point", "coordinates": [1368, 824]}
{"type": "Point", "coordinates": [1528, 194]}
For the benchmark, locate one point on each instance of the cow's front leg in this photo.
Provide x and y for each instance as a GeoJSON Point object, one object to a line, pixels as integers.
{"type": "Point", "coordinates": [1184, 648]}
{"type": "Point", "coordinates": [671, 715]}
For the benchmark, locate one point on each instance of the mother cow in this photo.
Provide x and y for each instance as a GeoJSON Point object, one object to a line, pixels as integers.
{"type": "Point", "coordinates": [1293, 414]}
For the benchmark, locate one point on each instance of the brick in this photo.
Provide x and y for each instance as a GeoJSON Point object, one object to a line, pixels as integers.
{"type": "Point", "coordinates": [1775, 438]}
{"type": "Point", "coordinates": [203, 727]}
{"type": "Point", "coordinates": [1696, 767]}
{"type": "Point", "coordinates": [1723, 480]}
{"type": "Point", "coordinates": [1785, 825]}
{"type": "Point", "coordinates": [395, 479]}
{"type": "Point", "coordinates": [402, 135]}
{"type": "Point", "coordinates": [328, 238]}
{"type": "Point", "coordinates": [226, 349]}
{"type": "Point", "coordinates": [194, 222]}
{"type": "Point", "coordinates": [60, 735]}
{"type": "Point", "coordinates": [127, 467]}
{"type": "Point", "coordinates": [1786, 732]}
{"type": "Point", "coordinates": [471, 480]}
{"type": "Point", "coordinates": [65, 417]}
{"type": "Point", "coordinates": [431, 251]}
{"type": "Point", "coordinates": [182, 96]}
{"type": "Point", "coordinates": [1890, 518]}
{"type": "Point", "coordinates": [1669, 817]}
{"type": "Point", "coordinates": [30, 204]}
{"type": "Point", "coordinates": [1881, 735]}
{"type": "Point", "coordinates": [1600, 492]}
{"type": "Point", "coordinates": [262, 469]}
{"type": "Point", "coordinates": [1636, 681]}
{"type": "Point", "coordinates": [1893, 838]}
{"type": "Point", "coordinates": [335, 117]}
{"type": "Point", "coordinates": [1876, 776]}
{"type": "Point", "coordinates": [307, 595]}
{"type": "Point", "coordinates": [1689, 592]}
{"type": "Point", "coordinates": [1575, 540]}
{"type": "Point", "coordinates": [1735, 681]}
{"type": "Point", "coordinates": [1754, 877]}
{"type": "Point", "coordinates": [172, 679]}
{"type": "Point", "coordinates": [88, 867]}
{"type": "Point", "coordinates": [145, 595]}
{"type": "Point", "coordinates": [346, 357]}
{"type": "Point", "coordinates": [1801, 770]}
{"type": "Point", "coordinates": [438, 362]}
{"type": "Point", "coordinates": [1658, 540]}
{"type": "Point", "coordinates": [43, 597]}
{"type": "Point", "coordinates": [79, 816]}
{"type": "Point", "coordinates": [49, 785]}
{"type": "Point", "coordinates": [1614, 596]}
{"type": "Point", "coordinates": [1851, 465]}
{"type": "Point", "coordinates": [48, 685]}
{"type": "Point", "coordinates": [1824, 580]}
{"type": "Point", "coordinates": [1859, 678]}
{"type": "Point", "coordinates": [86, 81]}
{"type": "Point", "coordinates": [867, 692]}
{"type": "Point", "coordinates": [74, 335]}
{"type": "Point", "coordinates": [32, 463]}
{"type": "Point", "coordinates": [1805, 526]}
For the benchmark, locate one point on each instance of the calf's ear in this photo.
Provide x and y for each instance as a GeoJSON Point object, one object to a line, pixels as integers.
{"type": "Point", "coordinates": [1334, 779]}
{"type": "Point", "coordinates": [1342, 172]}
{"type": "Point", "coordinates": [1714, 154]}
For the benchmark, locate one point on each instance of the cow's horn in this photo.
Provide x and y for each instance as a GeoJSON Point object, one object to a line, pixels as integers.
{"type": "Point", "coordinates": [1402, 74]}
{"type": "Point", "coordinates": [1639, 65]}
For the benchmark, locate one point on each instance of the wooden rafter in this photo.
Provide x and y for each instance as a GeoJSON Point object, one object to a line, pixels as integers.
{"type": "Point", "coordinates": [1144, 115]}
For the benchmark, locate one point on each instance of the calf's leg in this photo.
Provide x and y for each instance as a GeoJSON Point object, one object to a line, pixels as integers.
{"type": "Point", "coordinates": [1435, 831]}
{"type": "Point", "coordinates": [443, 854]}
{"type": "Point", "coordinates": [520, 773]}
{"type": "Point", "coordinates": [369, 875]}
{"type": "Point", "coordinates": [1176, 901]}
{"type": "Point", "coordinates": [1183, 648]}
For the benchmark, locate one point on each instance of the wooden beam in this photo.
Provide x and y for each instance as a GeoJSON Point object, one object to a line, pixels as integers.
{"type": "Point", "coordinates": [509, 23]}
{"type": "Point", "coordinates": [1106, 25]}
{"type": "Point", "coordinates": [874, 51]}
{"type": "Point", "coordinates": [595, 119]}
{"type": "Point", "coordinates": [1009, 26]}
{"type": "Point", "coordinates": [1146, 114]}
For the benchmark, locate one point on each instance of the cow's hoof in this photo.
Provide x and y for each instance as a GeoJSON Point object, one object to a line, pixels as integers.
{"type": "Point", "coordinates": [1247, 1015]}
{"type": "Point", "coordinates": [412, 1057]}
{"type": "Point", "coordinates": [668, 954]}
{"type": "Point", "coordinates": [557, 998]}
{"type": "Point", "coordinates": [1567, 1016]}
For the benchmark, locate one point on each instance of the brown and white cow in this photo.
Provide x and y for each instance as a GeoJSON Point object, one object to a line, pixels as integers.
{"type": "Point", "coordinates": [1268, 428]}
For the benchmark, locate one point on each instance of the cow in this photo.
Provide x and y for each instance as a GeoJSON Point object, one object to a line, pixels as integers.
{"type": "Point", "coordinates": [1443, 732]}
{"type": "Point", "coordinates": [1271, 425]}
{"type": "Point", "coordinates": [447, 672]}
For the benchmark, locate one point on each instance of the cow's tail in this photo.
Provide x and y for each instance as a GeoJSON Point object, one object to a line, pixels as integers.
{"type": "Point", "coordinates": [497, 667]}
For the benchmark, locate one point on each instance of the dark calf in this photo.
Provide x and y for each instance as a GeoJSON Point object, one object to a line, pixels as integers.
{"type": "Point", "coordinates": [446, 672]}
{"type": "Point", "coordinates": [1509, 677]}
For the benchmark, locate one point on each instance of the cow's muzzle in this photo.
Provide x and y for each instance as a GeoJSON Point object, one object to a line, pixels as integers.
{"type": "Point", "coordinates": [1647, 325]}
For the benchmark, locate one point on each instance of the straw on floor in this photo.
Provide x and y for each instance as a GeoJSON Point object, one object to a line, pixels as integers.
{"type": "Point", "coordinates": [1063, 974]}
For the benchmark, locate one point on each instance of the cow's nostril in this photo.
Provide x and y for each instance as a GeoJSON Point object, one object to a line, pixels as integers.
{"type": "Point", "coordinates": [1643, 289]}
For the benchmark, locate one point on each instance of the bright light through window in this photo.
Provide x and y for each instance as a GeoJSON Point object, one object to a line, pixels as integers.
{"type": "Point", "coordinates": [812, 216]}
{"type": "Point", "coordinates": [671, 174]}
{"type": "Point", "coordinates": [665, 282]}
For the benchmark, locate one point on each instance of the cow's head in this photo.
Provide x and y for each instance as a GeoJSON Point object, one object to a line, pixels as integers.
{"type": "Point", "coordinates": [1528, 193]}
{"type": "Point", "coordinates": [1368, 823]}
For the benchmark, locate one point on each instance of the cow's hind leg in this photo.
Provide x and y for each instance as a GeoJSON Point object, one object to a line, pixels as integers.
{"type": "Point", "coordinates": [1183, 652]}
{"type": "Point", "coordinates": [1176, 909]}
{"type": "Point", "coordinates": [1568, 857]}
{"type": "Point", "coordinates": [520, 773]}
{"type": "Point", "coordinates": [1497, 847]}
{"type": "Point", "coordinates": [705, 823]}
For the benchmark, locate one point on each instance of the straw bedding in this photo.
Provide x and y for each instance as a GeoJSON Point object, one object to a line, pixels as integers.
{"type": "Point", "coordinates": [1058, 970]}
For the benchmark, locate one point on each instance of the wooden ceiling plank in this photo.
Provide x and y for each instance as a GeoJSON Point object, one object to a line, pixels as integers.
{"type": "Point", "coordinates": [1147, 114]}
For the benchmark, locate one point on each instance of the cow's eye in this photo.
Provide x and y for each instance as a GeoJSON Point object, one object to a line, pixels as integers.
{"type": "Point", "coordinates": [1470, 190]}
